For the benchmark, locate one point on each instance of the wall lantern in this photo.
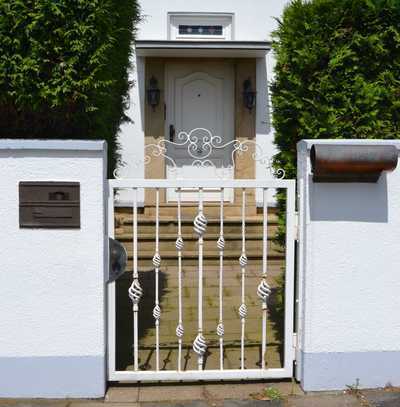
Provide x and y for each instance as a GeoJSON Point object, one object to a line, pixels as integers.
{"type": "Point", "coordinates": [249, 95]}
{"type": "Point", "coordinates": [153, 93]}
{"type": "Point", "coordinates": [351, 163]}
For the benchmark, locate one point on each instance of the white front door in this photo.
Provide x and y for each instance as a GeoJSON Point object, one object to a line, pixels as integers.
{"type": "Point", "coordinates": [199, 95]}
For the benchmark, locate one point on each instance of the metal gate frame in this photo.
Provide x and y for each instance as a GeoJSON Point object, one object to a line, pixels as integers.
{"type": "Point", "coordinates": [217, 374]}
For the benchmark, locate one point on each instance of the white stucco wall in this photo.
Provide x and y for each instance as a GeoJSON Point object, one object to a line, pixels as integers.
{"type": "Point", "coordinates": [52, 341]}
{"type": "Point", "coordinates": [349, 327]}
{"type": "Point", "coordinates": [253, 20]}
{"type": "Point", "coordinates": [131, 133]}
{"type": "Point", "coordinates": [264, 128]}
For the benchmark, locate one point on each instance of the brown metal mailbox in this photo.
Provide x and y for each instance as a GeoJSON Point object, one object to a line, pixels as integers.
{"type": "Point", "coordinates": [351, 163]}
{"type": "Point", "coordinates": [49, 204]}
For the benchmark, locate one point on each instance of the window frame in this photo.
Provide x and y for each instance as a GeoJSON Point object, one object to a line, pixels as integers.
{"type": "Point", "coordinates": [198, 19]}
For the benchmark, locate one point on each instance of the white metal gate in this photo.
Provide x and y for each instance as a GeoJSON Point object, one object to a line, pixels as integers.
{"type": "Point", "coordinates": [199, 338]}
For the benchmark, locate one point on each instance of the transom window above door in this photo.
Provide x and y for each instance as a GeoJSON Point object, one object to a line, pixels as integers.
{"type": "Point", "coordinates": [200, 29]}
{"type": "Point", "coordinates": [197, 26]}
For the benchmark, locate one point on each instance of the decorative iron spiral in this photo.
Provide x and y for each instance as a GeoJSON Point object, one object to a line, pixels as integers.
{"type": "Point", "coordinates": [263, 290]}
{"type": "Point", "coordinates": [221, 243]}
{"type": "Point", "coordinates": [200, 345]}
{"type": "Point", "coordinates": [220, 329]}
{"type": "Point", "coordinates": [179, 243]}
{"type": "Point", "coordinates": [243, 260]}
{"type": "Point", "coordinates": [157, 312]}
{"type": "Point", "coordinates": [200, 224]}
{"type": "Point", "coordinates": [179, 331]}
{"type": "Point", "coordinates": [157, 260]}
{"type": "Point", "coordinates": [243, 311]}
{"type": "Point", "coordinates": [135, 291]}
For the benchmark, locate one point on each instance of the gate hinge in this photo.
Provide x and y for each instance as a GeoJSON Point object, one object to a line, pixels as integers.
{"type": "Point", "coordinates": [296, 225]}
{"type": "Point", "coordinates": [295, 345]}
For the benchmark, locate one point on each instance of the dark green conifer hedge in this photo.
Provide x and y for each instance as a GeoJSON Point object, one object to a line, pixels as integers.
{"type": "Point", "coordinates": [63, 67]}
{"type": "Point", "coordinates": [337, 73]}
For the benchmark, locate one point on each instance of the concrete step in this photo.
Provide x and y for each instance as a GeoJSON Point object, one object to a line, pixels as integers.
{"type": "Point", "coordinates": [211, 268]}
{"type": "Point", "coordinates": [127, 237]}
{"type": "Point", "coordinates": [168, 233]}
{"type": "Point", "coordinates": [231, 257]}
{"type": "Point", "coordinates": [169, 225]}
{"type": "Point", "coordinates": [191, 210]}
{"type": "Point", "coordinates": [210, 246]}
{"type": "Point", "coordinates": [127, 218]}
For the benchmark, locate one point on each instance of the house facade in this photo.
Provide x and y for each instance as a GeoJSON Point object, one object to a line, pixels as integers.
{"type": "Point", "coordinates": [201, 72]}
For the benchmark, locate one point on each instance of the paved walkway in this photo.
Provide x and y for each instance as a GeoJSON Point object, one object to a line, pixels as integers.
{"type": "Point", "coordinates": [224, 395]}
{"type": "Point", "coordinates": [169, 319]}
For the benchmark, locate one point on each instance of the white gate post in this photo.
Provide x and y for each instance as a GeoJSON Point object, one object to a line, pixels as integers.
{"type": "Point", "coordinates": [348, 278]}
{"type": "Point", "coordinates": [52, 280]}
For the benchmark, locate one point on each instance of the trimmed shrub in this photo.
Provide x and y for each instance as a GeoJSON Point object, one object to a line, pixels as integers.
{"type": "Point", "coordinates": [64, 68]}
{"type": "Point", "coordinates": [337, 74]}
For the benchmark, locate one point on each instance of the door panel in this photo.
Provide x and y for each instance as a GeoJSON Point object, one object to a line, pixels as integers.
{"type": "Point", "coordinates": [199, 97]}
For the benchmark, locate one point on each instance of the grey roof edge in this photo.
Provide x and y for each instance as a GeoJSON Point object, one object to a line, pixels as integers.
{"type": "Point", "coordinates": [41, 144]}
{"type": "Point", "coordinates": [308, 143]}
{"type": "Point", "coordinates": [176, 44]}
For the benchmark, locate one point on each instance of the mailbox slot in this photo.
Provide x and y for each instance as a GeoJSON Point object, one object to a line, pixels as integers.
{"type": "Point", "coordinates": [49, 204]}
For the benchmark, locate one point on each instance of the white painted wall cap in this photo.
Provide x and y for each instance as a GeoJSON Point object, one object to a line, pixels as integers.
{"type": "Point", "coordinates": [307, 144]}
{"type": "Point", "coordinates": [39, 144]}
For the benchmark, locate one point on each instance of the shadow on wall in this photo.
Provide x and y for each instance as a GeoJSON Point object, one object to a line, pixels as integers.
{"type": "Point", "coordinates": [367, 202]}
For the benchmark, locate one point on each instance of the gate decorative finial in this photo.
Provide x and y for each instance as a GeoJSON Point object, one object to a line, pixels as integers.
{"type": "Point", "coordinates": [220, 329]}
{"type": "Point", "coordinates": [200, 345]}
{"type": "Point", "coordinates": [243, 311]}
{"type": "Point", "coordinates": [156, 260]}
{"type": "Point", "coordinates": [264, 290]}
{"type": "Point", "coordinates": [221, 243]}
{"type": "Point", "coordinates": [179, 331]}
{"type": "Point", "coordinates": [243, 260]}
{"type": "Point", "coordinates": [157, 312]}
{"type": "Point", "coordinates": [179, 243]}
{"type": "Point", "coordinates": [135, 292]}
{"type": "Point", "coordinates": [200, 224]}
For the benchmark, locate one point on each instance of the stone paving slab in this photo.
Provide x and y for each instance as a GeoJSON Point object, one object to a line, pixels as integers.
{"type": "Point", "coordinates": [123, 394]}
{"type": "Point", "coordinates": [101, 404]}
{"type": "Point", "coordinates": [197, 403]}
{"type": "Point", "coordinates": [175, 393]}
{"type": "Point", "coordinates": [33, 403]}
{"type": "Point", "coordinates": [218, 395]}
{"type": "Point", "coordinates": [252, 403]}
{"type": "Point", "coordinates": [169, 301]}
{"type": "Point", "coordinates": [216, 392]}
{"type": "Point", "coordinates": [382, 399]}
{"type": "Point", "coordinates": [323, 400]}
{"type": "Point", "coordinates": [244, 391]}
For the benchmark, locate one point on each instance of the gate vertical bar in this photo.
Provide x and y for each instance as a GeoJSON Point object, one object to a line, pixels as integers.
{"type": "Point", "coordinates": [179, 247]}
{"type": "Point", "coordinates": [263, 289]}
{"type": "Point", "coordinates": [135, 290]}
{"type": "Point", "coordinates": [157, 264]}
{"type": "Point", "coordinates": [243, 264]}
{"type": "Point", "coordinates": [200, 226]}
{"type": "Point", "coordinates": [221, 246]}
{"type": "Point", "coordinates": [111, 328]}
{"type": "Point", "coordinates": [289, 352]}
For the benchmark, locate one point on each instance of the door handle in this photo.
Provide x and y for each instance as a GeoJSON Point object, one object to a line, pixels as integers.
{"type": "Point", "coordinates": [171, 132]}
